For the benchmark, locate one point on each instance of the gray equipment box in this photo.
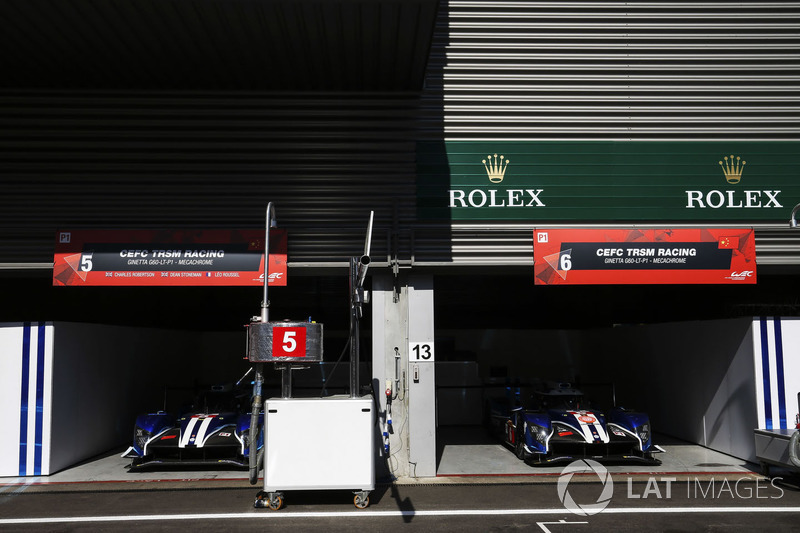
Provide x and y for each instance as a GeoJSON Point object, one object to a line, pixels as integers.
{"type": "Point", "coordinates": [772, 448]}
{"type": "Point", "coordinates": [284, 342]}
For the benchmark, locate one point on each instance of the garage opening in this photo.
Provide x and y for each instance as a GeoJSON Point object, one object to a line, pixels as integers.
{"type": "Point", "coordinates": [682, 354]}
{"type": "Point", "coordinates": [107, 354]}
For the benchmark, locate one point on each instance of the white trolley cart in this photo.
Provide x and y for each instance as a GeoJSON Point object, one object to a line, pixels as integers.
{"type": "Point", "coordinates": [310, 443]}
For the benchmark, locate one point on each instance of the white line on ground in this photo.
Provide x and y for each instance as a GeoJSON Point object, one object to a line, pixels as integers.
{"type": "Point", "coordinates": [387, 514]}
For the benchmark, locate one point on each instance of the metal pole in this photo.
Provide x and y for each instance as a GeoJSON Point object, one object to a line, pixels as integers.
{"type": "Point", "coordinates": [286, 381]}
{"type": "Point", "coordinates": [255, 412]}
{"type": "Point", "coordinates": [358, 273]}
{"type": "Point", "coordinates": [354, 329]}
{"type": "Point", "coordinates": [793, 219]}
{"type": "Point", "coordinates": [270, 223]}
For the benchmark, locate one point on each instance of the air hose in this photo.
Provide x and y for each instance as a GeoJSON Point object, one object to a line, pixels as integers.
{"type": "Point", "coordinates": [255, 456]}
{"type": "Point", "coordinates": [793, 449]}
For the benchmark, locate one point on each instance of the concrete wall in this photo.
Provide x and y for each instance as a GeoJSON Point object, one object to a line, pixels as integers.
{"type": "Point", "coordinates": [103, 377]}
{"type": "Point", "coordinates": [514, 352]}
{"type": "Point", "coordinates": [694, 379]}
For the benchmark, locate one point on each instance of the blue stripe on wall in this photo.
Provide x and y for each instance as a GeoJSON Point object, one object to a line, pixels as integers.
{"type": "Point", "coordinates": [781, 385]}
{"type": "Point", "coordinates": [37, 454]}
{"type": "Point", "coordinates": [765, 373]}
{"type": "Point", "coordinates": [23, 405]}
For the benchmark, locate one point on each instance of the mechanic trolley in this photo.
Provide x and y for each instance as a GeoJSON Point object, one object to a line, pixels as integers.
{"type": "Point", "coordinates": [290, 457]}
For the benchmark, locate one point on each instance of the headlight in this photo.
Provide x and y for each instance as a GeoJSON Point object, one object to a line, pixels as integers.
{"type": "Point", "coordinates": [643, 432]}
{"type": "Point", "coordinates": [140, 437]}
{"type": "Point", "coordinates": [539, 433]}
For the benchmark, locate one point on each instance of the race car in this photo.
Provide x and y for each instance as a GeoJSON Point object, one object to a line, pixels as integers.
{"type": "Point", "coordinates": [559, 425]}
{"type": "Point", "coordinates": [214, 430]}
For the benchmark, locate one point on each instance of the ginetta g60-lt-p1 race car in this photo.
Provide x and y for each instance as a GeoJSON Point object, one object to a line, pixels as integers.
{"type": "Point", "coordinates": [214, 431]}
{"type": "Point", "coordinates": [560, 426]}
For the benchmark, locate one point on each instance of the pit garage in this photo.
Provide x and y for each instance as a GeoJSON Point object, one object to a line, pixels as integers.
{"type": "Point", "coordinates": [99, 377]}
{"type": "Point", "coordinates": [78, 385]}
{"type": "Point", "coordinates": [705, 376]}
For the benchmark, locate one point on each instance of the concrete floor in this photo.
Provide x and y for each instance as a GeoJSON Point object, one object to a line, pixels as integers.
{"type": "Point", "coordinates": [465, 453]}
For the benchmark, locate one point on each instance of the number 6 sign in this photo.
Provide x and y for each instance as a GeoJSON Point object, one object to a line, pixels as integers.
{"type": "Point", "coordinates": [288, 342]}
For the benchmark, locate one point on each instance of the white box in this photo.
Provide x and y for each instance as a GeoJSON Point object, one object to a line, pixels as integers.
{"type": "Point", "coordinates": [319, 443]}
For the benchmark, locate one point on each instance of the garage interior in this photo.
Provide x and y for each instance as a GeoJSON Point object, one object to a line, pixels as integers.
{"type": "Point", "coordinates": [670, 351]}
{"type": "Point", "coordinates": [492, 336]}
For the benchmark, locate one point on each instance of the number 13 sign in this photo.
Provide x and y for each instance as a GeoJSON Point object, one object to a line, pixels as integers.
{"type": "Point", "coordinates": [288, 342]}
{"type": "Point", "coordinates": [420, 352]}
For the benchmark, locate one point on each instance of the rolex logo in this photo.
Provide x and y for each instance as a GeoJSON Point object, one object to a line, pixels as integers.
{"type": "Point", "coordinates": [495, 168]}
{"type": "Point", "coordinates": [733, 166]}
{"type": "Point", "coordinates": [732, 169]}
{"type": "Point", "coordinates": [506, 197]}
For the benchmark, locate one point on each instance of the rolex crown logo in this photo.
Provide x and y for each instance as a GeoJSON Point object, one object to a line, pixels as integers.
{"type": "Point", "coordinates": [495, 168]}
{"type": "Point", "coordinates": [732, 169]}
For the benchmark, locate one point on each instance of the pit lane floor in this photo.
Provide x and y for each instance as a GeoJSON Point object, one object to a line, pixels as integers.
{"type": "Point", "coordinates": [656, 505]}
{"type": "Point", "coordinates": [481, 486]}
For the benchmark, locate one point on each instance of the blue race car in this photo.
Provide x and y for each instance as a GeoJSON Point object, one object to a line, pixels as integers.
{"type": "Point", "coordinates": [215, 430]}
{"type": "Point", "coordinates": [560, 426]}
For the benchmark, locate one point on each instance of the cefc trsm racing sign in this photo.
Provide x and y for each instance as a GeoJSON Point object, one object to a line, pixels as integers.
{"type": "Point", "coordinates": [153, 257]}
{"type": "Point", "coordinates": [644, 256]}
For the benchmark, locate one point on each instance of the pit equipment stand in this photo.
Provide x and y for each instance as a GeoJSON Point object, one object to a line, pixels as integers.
{"type": "Point", "coordinates": [311, 443]}
{"type": "Point", "coordinates": [779, 447]}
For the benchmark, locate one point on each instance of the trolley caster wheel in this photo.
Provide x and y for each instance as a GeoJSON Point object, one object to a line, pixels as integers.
{"type": "Point", "coordinates": [261, 500]}
{"type": "Point", "coordinates": [361, 501]}
{"type": "Point", "coordinates": [275, 503]}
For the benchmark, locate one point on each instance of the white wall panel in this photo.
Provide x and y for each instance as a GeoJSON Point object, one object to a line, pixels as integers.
{"type": "Point", "coordinates": [72, 391]}
{"type": "Point", "coordinates": [26, 359]}
{"type": "Point", "coordinates": [776, 358]}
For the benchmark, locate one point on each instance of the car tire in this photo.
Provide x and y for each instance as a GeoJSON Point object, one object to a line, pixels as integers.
{"type": "Point", "coordinates": [519, 444]}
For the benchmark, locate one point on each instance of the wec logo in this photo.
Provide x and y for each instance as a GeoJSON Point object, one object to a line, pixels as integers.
{"type": "Point", "coordinates": [275, 276]}
{"type": "Point", "coordinates": [744, 276]}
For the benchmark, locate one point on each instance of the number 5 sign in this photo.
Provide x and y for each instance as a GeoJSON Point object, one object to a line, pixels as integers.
{"type": "Point", "coordinates": [419, 352]}
{"type": "Point", "coordinates": [288, 342]}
